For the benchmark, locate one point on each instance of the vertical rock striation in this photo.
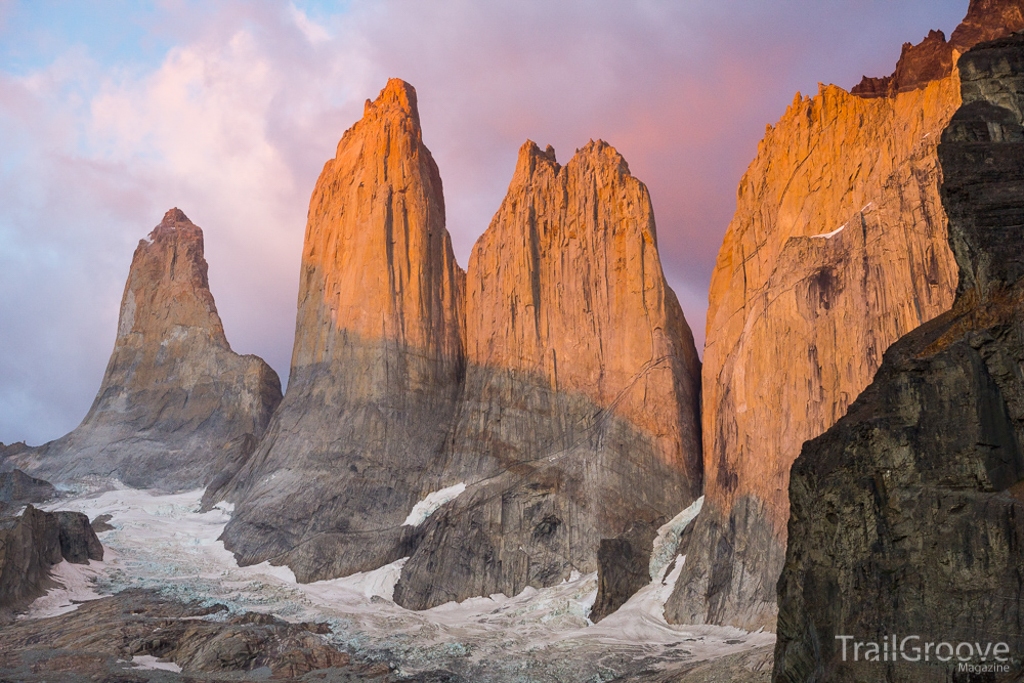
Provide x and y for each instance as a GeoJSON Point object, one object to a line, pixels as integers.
{"type": "Point", "coordinates": [838, 247]}
{"type": "Point", "coordinates": [377, 364]}
{"type": "Point", "coordinates": [907, 516]}
{"type": "Point", "coordinates": [177, 406]}
{"type": "Point", "coordinates": [549, 398]}
{"type": "Point", "coordinates": [579, 418]}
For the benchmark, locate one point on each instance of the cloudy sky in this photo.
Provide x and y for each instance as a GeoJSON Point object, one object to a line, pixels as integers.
{"type": "Point", "coordinates": [113, 111]}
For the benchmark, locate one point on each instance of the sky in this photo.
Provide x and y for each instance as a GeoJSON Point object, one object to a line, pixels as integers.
{"type": "Point", "coordinates": [113, 111]}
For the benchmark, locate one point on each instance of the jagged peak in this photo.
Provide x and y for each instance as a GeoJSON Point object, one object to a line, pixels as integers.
{"type": "Point", "coordinates": [932, 58]}
{"type": "Point", "coordinates": [600, 153]}
{"type": "Point", "coordinates": [396, 97]}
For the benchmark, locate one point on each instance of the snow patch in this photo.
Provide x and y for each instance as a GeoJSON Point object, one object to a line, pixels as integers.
{"type": "Point", "coordinates": [77, 584]}
{"type": "Point", "coordinates": [666, 543]}
{"type": "Point", "coordinates": [430, 504]}
{"type": "Point", "coordinates": [379, 582]}
{"type": "Point", "coordinates": [829, 235]}
{"type": "Point", "coordinates": [151, 663]}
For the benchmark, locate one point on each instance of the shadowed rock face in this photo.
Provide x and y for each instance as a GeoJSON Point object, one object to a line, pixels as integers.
{"type": "Point", "coordinates": [558, 380]}
{"type": "Point", "coordinates": [908, 515]}
{"type": "Point", "coordinates": [176, 403]}
{"type": "Point", "coordinates": [837, 249]}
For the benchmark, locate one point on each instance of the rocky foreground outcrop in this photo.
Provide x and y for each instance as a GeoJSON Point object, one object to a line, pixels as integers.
{"type": "Point", "coordinates": [34, 541]}
{"type": "Point", "coordinates": [176, 406]}
{"type": "Point", "coordinates": [837, 249]}
{"type": "Point", "coordinates": [107, 639]}
{"type": "Point", "coordinates": [553, 389]}
{"type": "Point", "coordinates": [907, 516]}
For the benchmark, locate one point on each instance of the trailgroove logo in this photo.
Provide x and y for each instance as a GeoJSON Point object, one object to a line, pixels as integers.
{"type": "Point", "coordinates": [970, 657]}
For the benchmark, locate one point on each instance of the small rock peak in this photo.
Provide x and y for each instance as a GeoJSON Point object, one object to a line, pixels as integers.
{"type": "Point", "coordinates": [173, 216]}
{"type": "Point", "coordinates": [530, 154]}
{"type": "Point", "coordinates": [175, 222]}
{"type": "Point", "coordinates": [599, 152]}
{"type": "Point", "coordinates": [396, 95]}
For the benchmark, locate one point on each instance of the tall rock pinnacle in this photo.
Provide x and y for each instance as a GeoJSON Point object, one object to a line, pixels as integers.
{"type": "Point", "coordinates": [838, 247]}
{"type": "Point", "coordinates": [177, 406]}
{"type": "Point", "coordinates": [377, 363]}
{"type": "Point", "coordinates": [580, 415]}
{"type": "Point", "coordinates": [562, 412]}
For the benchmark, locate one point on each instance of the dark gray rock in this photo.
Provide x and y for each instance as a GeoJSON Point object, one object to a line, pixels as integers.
{"type": "Point", "coordinates": [623, 567]}
{"type": "Point", "coordinates": [78, 542]}
{"type": "Point", "coordinates": [29, 546]}
{"type": "Point", "coordinates": [18, 488]}
{"type": "Point", "coordinates": [907, 517]}
{"type": "Point", "coordinates": [102, 523]}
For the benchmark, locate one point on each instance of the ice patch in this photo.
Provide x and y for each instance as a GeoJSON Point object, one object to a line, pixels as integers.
{"type": "Point", "coordinates": [829, 235]}
{"type": "Point", "coordinates": [151, 663]}
{"type": "Point", "coordinates": [666, 543]}
{"type": "Point", "coordinates": [430, 504]}
{"type": "Point", "coordinates": [379, 582]}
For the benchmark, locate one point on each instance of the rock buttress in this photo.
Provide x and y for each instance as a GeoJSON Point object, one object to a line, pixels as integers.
{"type": "Point", "coordinates": [907, 516]}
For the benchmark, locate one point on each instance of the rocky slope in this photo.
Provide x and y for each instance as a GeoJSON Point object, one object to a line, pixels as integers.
{"type": "Point", "coordinates": [579, 414]}
{"type": "Point", "coordinates": [177, 406]}
{"type": "Point", "coordinates": [838, 247]}
{"type": "Point", "coordinates": [908, 515]}
{"type": "Point", "coordinates": [377, 364]}
{"type": "Point", "coordinates": [552, 392]}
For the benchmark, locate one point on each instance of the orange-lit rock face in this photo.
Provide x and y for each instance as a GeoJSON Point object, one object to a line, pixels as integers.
{"type": "Point", "coordinates": [377, 364]}
{"type": "Point", "coordinates": [838, 247]}
{"type": "Point", "coordinates": [567, 284]}
{"type": "Point", "coordinates": [579, 414]}
{"type": "Point", "coordinates": [377, 262]}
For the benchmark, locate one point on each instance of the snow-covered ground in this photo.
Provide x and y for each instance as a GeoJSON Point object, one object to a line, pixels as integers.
{"type": "Point", "coordinates": [164, 542]}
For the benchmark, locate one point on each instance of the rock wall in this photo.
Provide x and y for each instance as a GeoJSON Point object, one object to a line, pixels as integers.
{"type": "Point", "coordinates": [838, 247]}
{"type": "Point", "coordinates": [176, 403]}
{"type": "Point", "coordinates": [907, 516]}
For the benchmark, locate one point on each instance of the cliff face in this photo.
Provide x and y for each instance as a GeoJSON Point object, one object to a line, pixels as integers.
{"type": "Point", "coordinates": [908, 515]}
{"type": "Point", "coordinates": [551, 393]}
{"type": "Point", "coordinates": [377, 364]}
{"type": "Point", "coordinates": [176, 404]}
{"type": "Point", "coordinates": [838, 247]}
{"type": "Point", "coordinates": [579, 416]}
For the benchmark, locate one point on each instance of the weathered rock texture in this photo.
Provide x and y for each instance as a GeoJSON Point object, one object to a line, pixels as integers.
{"type": "Point", "coordinates": [558, 381]}
{"type": "Point", "coordinates": [34, 541]}
{"type": "Point", "coordinates": [908, 515]}
{"type": "Point", "coordinates": [377, 364]}
{"type": "Point", "coordinates": [579, 416]}
{"type": "Point", "coordinates": [176, 403]}
{"type": "Point", "coordinates": [838, 247]}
